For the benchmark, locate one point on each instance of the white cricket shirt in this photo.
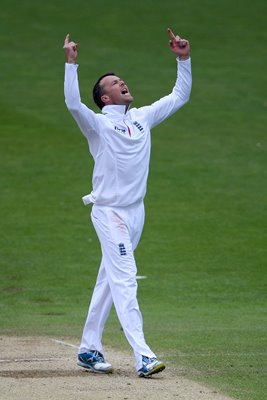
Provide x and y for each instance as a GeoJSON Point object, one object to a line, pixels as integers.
{"type": "Point", "coordinates": [122, 161]}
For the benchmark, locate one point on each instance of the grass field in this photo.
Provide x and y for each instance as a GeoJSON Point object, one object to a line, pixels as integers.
{"type": "Point", "coordinates": [204, 244]}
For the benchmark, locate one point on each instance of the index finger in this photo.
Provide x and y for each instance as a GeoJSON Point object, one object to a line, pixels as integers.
{"type": "Point", "coordinates": [67, 39]}
{"type": "Point", "coordinates": [172, 35]}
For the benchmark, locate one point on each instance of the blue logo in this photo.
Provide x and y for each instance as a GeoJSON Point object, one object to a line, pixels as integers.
{"type": "Point", "coordinates": [138, 126]}
{"type": "Point", "coordinates": [121, 130]}
{"type": "Point", "coordinates": [122, 249]}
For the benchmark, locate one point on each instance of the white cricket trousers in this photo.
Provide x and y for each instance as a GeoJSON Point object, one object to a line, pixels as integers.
{"type": "Point", "coordinates": [119, 230]}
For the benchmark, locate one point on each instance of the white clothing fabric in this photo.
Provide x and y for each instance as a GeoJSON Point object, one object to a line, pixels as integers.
{"type": "Point", "coordinates": [122, 161]}
{"type": "Point", "coordinates": [119, 187]}
{"type": "Point", "coordinates": [118, 230]}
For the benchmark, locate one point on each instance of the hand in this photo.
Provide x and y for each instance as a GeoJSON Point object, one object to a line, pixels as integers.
{"type": "Point", "coordinates": [180, 47]}
{"type": "Point", "coordinates": [70, 50]}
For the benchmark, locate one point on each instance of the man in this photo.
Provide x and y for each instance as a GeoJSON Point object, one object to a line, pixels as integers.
{"type": "Point", "coordinates": [119, 141]}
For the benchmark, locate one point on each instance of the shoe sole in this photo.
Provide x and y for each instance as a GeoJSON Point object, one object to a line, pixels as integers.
{"type": "Point", "coordinates": [91, 368]}
{"type": "Point", "coordinates": [158, 368]}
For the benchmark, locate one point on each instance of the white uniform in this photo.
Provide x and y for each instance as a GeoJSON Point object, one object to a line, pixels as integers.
{"type": "Point", "coordinates": [119, 141]}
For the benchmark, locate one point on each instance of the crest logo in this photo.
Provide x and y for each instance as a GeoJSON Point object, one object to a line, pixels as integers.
{"type": "Point", "coordinates": [138, 126]}
{"type": "Point", "coordinates": [122, 249]}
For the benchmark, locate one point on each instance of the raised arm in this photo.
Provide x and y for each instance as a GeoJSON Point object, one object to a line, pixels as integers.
{"type": "Point", "coordinates": [85, 118]}
{"type": "Point", "coordinates": [166, 106]}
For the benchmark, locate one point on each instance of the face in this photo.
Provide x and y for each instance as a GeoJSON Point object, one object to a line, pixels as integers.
{"type": "Point", "coordinates": [115, 91]}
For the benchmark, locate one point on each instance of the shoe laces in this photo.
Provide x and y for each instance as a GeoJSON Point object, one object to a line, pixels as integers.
{"type": "Point", "coordinates": [147, 360]}
{"type": "Point", "coordinates": [95, 356]}
{"type": "Point", "coordinates": [98, 357]}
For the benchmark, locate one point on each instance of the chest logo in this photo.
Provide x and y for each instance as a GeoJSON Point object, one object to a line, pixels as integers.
{"type": "Point", "coordinates": [119, 129]}
{"type": "Point", "coordinates": [138, 126]}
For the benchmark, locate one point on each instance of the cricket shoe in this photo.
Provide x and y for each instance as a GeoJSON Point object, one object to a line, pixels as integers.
{"type": "Point", "coordinates": [95, 361]}
{"type": "Point", "coordinates": [150, 366]}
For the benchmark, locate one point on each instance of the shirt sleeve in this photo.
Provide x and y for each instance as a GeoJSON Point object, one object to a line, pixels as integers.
{"type": "Point", "coordinates": [85, 118]}
{"type": "Point", "coordinates": [166, 106]}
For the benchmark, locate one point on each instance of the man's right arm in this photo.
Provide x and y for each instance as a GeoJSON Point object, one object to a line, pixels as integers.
{"type": "Point", "coordinates": [85, 118]}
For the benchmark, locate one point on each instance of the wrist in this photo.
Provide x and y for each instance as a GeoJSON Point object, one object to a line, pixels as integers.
{"type": "Point", "coordinates": [183, 58]}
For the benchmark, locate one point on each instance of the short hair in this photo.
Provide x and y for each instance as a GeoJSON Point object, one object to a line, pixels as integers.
{"type": "Point", "coordinates": [98, 90]}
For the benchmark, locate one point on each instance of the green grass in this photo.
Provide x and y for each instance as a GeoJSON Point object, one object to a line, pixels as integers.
{"type": "Point", "coordinates": [204, 243]}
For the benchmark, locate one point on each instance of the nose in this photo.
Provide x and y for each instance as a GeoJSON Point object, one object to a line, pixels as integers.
{"type": "Point", "coordinates": [122, 83]}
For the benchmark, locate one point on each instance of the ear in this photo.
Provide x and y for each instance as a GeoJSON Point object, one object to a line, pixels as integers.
{"type": "Point", "coordinates": [105, 98]}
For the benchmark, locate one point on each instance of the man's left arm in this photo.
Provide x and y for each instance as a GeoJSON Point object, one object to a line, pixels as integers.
{"type": "Point", "coordinates": [181, 48]}
{"type": "Point", "coordinates": [166, 106]}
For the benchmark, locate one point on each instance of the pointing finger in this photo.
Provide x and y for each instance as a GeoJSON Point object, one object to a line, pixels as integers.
{"type": "Point", "coordinates": [172, 35]}
{"type": "Point", "coordinates": [67, 39]}
{"type": "Point", "coordinates": [174, 39]}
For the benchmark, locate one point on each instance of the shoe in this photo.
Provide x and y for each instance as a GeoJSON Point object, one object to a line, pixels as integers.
{"type": "Point", "coordinates": [94, 361]}
{"type": "Point", "coordinates": [150, 366]}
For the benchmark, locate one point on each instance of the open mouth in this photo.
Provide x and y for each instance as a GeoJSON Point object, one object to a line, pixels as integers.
{"type": "Point", "coordinates": [124, 91]}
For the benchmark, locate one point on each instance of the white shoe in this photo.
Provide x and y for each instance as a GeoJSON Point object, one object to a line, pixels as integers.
{"type": "Point", "coordinates": [150, 366]}
{"type": "Point", "coordinates": [95, 361]}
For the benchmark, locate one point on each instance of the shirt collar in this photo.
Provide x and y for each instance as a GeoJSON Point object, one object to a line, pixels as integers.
{"type": "Point", "coordinates": [115, 110]}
